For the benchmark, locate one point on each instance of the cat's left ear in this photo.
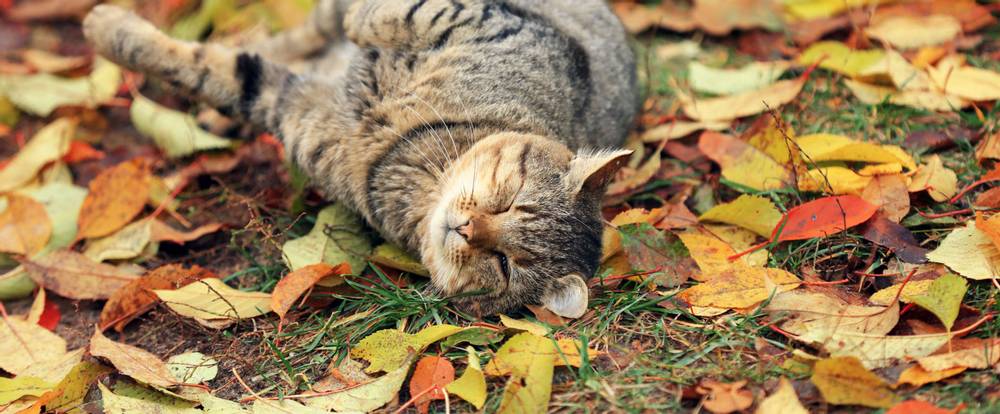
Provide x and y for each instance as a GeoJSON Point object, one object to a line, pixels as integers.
{"type": "Point", "coordinates": [589, 172]}
{"type": "Point", "coordinates": [568, 296]}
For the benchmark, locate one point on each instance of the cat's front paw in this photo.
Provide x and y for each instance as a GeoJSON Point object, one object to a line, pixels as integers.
{"type": "Point", "coordinates": [113, 31]}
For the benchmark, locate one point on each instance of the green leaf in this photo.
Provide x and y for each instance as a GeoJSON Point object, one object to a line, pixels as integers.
{"type": "Point", "coordinates": [176, 133]}
{"type": "Point", "coordinates": [648, 248]}
{"type": "Point", "coordinates": [339, 236]}
{"type": "Point", "coordinates": [473, 336]}
{"type": "Point", "coordinates": [392, 256]}
{"type": "Point", "coordinates": [14, 388]}
{"type": "Point", "coordinates": [944, 298]}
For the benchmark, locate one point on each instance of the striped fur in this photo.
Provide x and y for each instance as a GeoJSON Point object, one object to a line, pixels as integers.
{"type": "Point", "coordinates": [463, 130]}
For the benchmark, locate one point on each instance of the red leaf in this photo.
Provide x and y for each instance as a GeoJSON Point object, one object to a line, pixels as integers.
{"type": "Point", "coordinates": [823, 217]}
{"type": "Point", "coordinates": [50, 315]}
{"type": "Point", "coordinates": [921, 407]}
{"type": "Point", "coordinates": [80, 151]}
{"type": "Point", "coordinates": [432, 373]}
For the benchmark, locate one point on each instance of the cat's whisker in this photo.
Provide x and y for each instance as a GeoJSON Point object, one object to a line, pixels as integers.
{"type": "Point", "coordinates": [451, 136]}
{"type": "Point", "coordinates": [434, 134]}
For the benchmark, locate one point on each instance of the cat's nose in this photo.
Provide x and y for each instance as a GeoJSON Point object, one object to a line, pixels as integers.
{"type": "Point", "coordinates": [466, 230]}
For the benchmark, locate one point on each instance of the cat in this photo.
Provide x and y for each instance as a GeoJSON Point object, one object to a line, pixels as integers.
{"type": "Point", "coordinates": [477, 134]}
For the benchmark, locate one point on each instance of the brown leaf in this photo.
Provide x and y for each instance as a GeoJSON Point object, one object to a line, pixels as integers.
{"type": "Point", "coordinates": [132, 361]}
{"type": "Point", "coordinates": [73, 275]}
{"type": "Point", "coordinates": [639, 18]}
{"type": "Point", "coordinates": [889, 192]}
{"type": "Point", "coordinates": [989, 198]}
{"type": "Point", "coordinates": [937, 139]}
{"type": "Point", "coordinates": [116, 196]}
{"type": "Point", "coordinates": [843, 380]}
{"type": "Point", "coordinates": [24, 226]}
{"type": "Point", "coordinates": [432, 373]}
{"type": "Point", "coordinates": [719, 17]}
{"type": "Point", "coordinates": [721, 398]}
{"type": "Point", "coordinates": [545, 315]}
{"type": "Point", "coordinates": [899, 239]}
{"type": "Point", "coordinates": [49, 9]}
{"type": "Point", "coordinates": [989, 148]}
{"type": "Point", "coordinates": [136, 297]}
{"type": "Point", "coordinates": [292, 286]}
{"type": "Point", "coordinates": [163, 232]}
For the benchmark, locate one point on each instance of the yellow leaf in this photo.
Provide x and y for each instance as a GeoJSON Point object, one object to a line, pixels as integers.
{"type": "Point", "coordinates": [919, 377]}
{"type": "Point", "coordinates": [396, 258]}
{"type": "Point", "coordinates": [943, 298]}
{"type": "Point", "coordinates": [75, 385]}
{"type": "Point", "coordinates": [119, 404]}
{"type": "Point", "coordinates": [782, 401]}
{"type": "Point", "coordinates": [742, 104]}
{"type": "Point", "coordinates": [983, 354]}
{"type": "Point", "coordinates": [967, 82]}
{"type": "Point", "coordinates": [709, 252]}
{"type": "Point", "coordinates": [117, 195]}
{"type": "Point", "coordinates": [743, 163]}
{"type": "Point", "coordinates": [434, 333]}
{"type": "Point", "coordinates": [829, 147]}
{"type": "Point", "coordinates": [338, 237]}
{"type": "Point", "coordinates": [42, 93]}
{"type": "Point", "coordinates": [815, 9]}
{"type": "Point", "coordinates": [885, 296]}
{"type": "Point", "coordinates": [969, 252]}
{"type": "Point", "coordinates": [939, 181]}
{"type": "Point", "coordinates": [679, 129]}
{"type": "Point", "coordinates": [815, 317]}
{"type": "Point", "coordinates": [928, 100]}
{"type": "Point", "coordinates": [836, 56]}
{"type": "Point", "coordinates": [833, 180]}
{"type": "Point", "coordinates": [740, 239]}
{"type": "Point", "coordinates": [751, 77]}
{"type": "Point", "coordinates": [25, 229]}
{"type": "Point", "coordinates": [882, 169]}
{"type": "Point", "coordinates": [755, 213]}
{"type": "Point", "coordinates": [62, 202]}
{"type": "Point", "coordinates": [12, 389]}
{"type": "Point", "coordinates": [905, 76]}
{"type": "Point", "coordinates": [177, 133]}
{"type": "Point", "coordinates": [211, 299]}
{"type": "Point", "coordinates": [132, 361]}
{"type": "Point", "coordinates": [471, 386]}
{"type": "Point", "coordinates": [128, 243]}
{"type": "Point", "coordinates": [529, 358]}
{"type": "Point", "coordinates": [523, 325]}
{"type": "Point", "coordinates": [23, 344]}
{"type": "Point", "coordinates": [740, 287]}
{"type": "Point", "coordinates": [387, 349]}
{"type": "Point", "coordinates": [48, 145]}
{"type": "Point", "coordinates": [914, 32]}
{"type": "Point", "coordinates": [844, 381]}
{"type": "Point", "coordinates": [879, 351]}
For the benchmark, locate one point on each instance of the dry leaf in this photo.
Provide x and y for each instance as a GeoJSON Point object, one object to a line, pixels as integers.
{"type": "Point", "coordinates": [389, 349]}
{"type": "Point", "coordinates": [529, 359]}
{"type": "Point", "coordinates": [719, 17]}
{"type": "Point", "coordinates": [838, 57]}
{"type": "Point", "coordinates": [210, 299]}
{"type": "Point", "coordinates": [137, 297]}
{"type": "Point", "coordinates": [292, 286]}
{"type": "Point", "coordinates": [338, 236]}
{"type": "Point", "coordinates": [471, 386]}
{"type": "Point", "coordinates": [524, 325]}
{"type": "Point", "coordinates": [391, 255]}
{"type": "Point", "coordinates": [751, 77]}
{"type": "Point", "coordinates": [919, 377]}
{"type": "Point", "coordinates": [815, 317]}
{"type": "Point", "coordinates": [73, 275]}
{"type": "Point", "coordinates": [161, 231]}
{"type": "Point", "coordinates": [176, 133]}
{"type": "Point", "coordinates": [740, 288]}
{"type": "Point", "coordinates": [928, 100]}
{"type": "Point", "coordinates": [742, 163]}
{"type": "Point", "coordinates": [921, 407]}
{"type": "Point", "coordinates": [127, 243]}
{"type": "Point", "coordinates": [48, 145]}
{"type": "Point", "coordinates": [24, 344]}
{"type": "Point", "coordinates": [723, 398]}
{"type": "Point", "coordinates": [744, 104]}
{"type": "Point", "coordinates": [967, 82]}
{"type": "Point", "coordinates": [844, 381]}
{"type": "Point", "coordinates": [976, 353]}
{"type": "Point", "coordinates": [969, 252]}
{"type": "Point", "coordinates": [429, 378]}
{"type": "Point", "coordinates": [879, 351]}
{"type": "Point", "coordinates": [831, 147]}
{"type": "Point", "coordinates": [116, 196]}
{"type": "Point", "coordinates": [365, 397]}
{"type": "Point", "coordinates": [134, 362]}
{"type": "Point", "coordinates": [782, 401]}
{"type": "Point", "coordinates": [680, 129]}
{"type": "Point", "coordinates": [899, 239]}
{"type": "Point", "coordinates": [943, 298]}
{"type": "Point", "coordinates": [24, 226]}
{"type": "Point", "coordinates": [42, 93]}
{"type": "Point", "coordinates": [939, 181]}
{"type": "Point", "coordinates": [755, 213]}
{"type": "Point", "coordinates": [914, 32]}
{"type": "Point", "coordinates": [890, 193]}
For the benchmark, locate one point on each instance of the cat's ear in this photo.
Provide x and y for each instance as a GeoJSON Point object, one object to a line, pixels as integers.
{"type": "Point", "coordinates": [589, 172]}
{"type": "Point", "coordinates": [568, 296]}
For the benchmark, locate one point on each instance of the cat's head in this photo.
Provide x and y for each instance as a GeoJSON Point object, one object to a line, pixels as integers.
{"type": "Point", "coordinates": [519, 218]}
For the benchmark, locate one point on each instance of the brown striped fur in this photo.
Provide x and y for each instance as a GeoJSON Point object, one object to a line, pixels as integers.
{"type": "Point", "coordinates": [474, 133]}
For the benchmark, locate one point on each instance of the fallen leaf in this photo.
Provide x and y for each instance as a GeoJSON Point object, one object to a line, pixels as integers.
{"type": "Point", "coordinates": [838, 57]}
{"type": "Point", "coordinates": [24, 344]}
{"type": "Point", "coordinates": [889, 192]}
{"type": "Point", "coordinates": [392, 256]}
{"type": "Point", "coordinates": [742, 163]}
{"type": "Point", "coordinates": [127, 243]}
{"type": "Point", "coordinates": [880, 351]}
{"type": "Point", "coordinates": [75, 385]}
{"type": "Point", "coordinates": [41, 94]}
{"type": "Point", "coordinates": [292, 286]}
{"type": "Point", "coordinates": [899, 239]}
{"type": "Point", "coordinates": [740, 288]}
{"type": "Point", "coordinates": [638, 177]}
{"type": "Point", "coordinates": [927, 100]}
{"type": "Point", "coordinates": [680, 129]}
{"type": "Point", "coordinates": [782, 401]}
{"type": "Point", "coordinates": [161, 231]}
{"type": "Point", "coordinates": [647, 249]}
{"type": "Point", "coordinates": [967, 82]}
{"type": "Point", "coordinates": [751, 77]}
{"type": "Point", "coordinates": [62, 204]}
{"type": "Point", "coordinates": [473, 336]}
{"type": "Point", "coordinates": [24, 226]}
{"type": "Point", "coordinates": [814, 9]}
{"type": "Point", "coordinates": [523, 325]}
{"type": "Point", "coordinates": [176, 133]}
{"type": "Point", "coordinates": [823, 217]}
{"type": "Point", "coordinates": [116, 196]}
{"type": "Point", "coordinates": [918, 377]}
{"type": "Point", "coordinates": [755, 213]}
{"type": "Point", "coordinates": [137, 297]}
{"type": "Point", "coordinates": [990, 226]}
{"type": "Point", "coordinates": [719, 17]}
{"type": "Point", "coordinates": [529, 358]}
{"type": "Point", "coordinates": [471, 386]}
{"type": "Point", "coordinates": [815, 317]}
{"type": "Point", "coordinates": [989, 199]}
{"type": "Point", "coordinates": [44, 312]}
{"type": "Point", "coordinates": [989, 148]}
{"type": "Point", "coordinates": [211, 299]}
{"type": "Point", "coordinates": [977, 353]}
{"type": "Point", "coordinates": [429, 378]}
{"type": "Point", "coordinates": [912, 289]}
{"type": "Point", "coordinates": [833, 180]}
{"type": "Point", "coordinates": [943, 298]}
{"type": "Point", "coordinates": [193, 367]}
{"type": "Point", "coordinates": [723, 398]}
{"type": "Point", "coordinates": [49, 10]}
{"type": "Point", "coordinates": [12, 389]}
{"type": "Point", "coordinates": [48, 145]}
{"type": "Point", "coordinates": [338, 237]}
{"type": "Point", "coordinates": [844, 381]}
{"type": "Point", "coordinates": [388, 349]}
{"type": "Point", "coordinates": [132, 361]}
{"type": "Point", "coordinates": [743, 104]}
{"type": "Point", "coordinates": [638, 18]}
{"type": "Point", "coordinates": [939, 181]}
{"type": "Point", "coordinates": [80, 151]}
{"type": "Point", "coordinates": [544, 315]}
{"type": "Point", "coordinates": [709, 252]}
{"type": "Point", "coordinates": [830, 147]}
{"type": "Point", "coordinates": [919, 407]}
{"type": "Point", "coordinates": [914, 32]}
{"type": "Point", "coordinates": [969, 252]}
{"type": "Point", "coordinates": [73, 275]}
{"type": "Point", "coordinates": [365, 397]}
{"type": "Point", "coordinates": [120, 404]}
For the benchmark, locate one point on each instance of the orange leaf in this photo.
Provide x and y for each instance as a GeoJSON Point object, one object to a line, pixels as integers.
{"type": "Point", "coordinates": [163, 232]}
{"type": "Point", "coordinates": [73, 275]}
{"type": "Point", "coordinates": [723, 398]}
{"type": "Point", "coordinates": [80, 151]}
{"type": "Point", "coordinates": [24, 226]}
{"type": "Point", "coordinates": [137, 296]}
{"type": "Point", "coordinates": [292, 286]}
{"type": "Point", "coordinates": [116, 196]}
{"type": "Point", "coordinates": [920, 407]}
{"type": "Point", "coordinates": [432, 373]}
{"type": "Point", "coordinates": [823, 217]}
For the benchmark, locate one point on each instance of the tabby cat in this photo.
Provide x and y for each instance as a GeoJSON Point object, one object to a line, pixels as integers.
{"type": "Point", "coordinates": [475, 133]}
